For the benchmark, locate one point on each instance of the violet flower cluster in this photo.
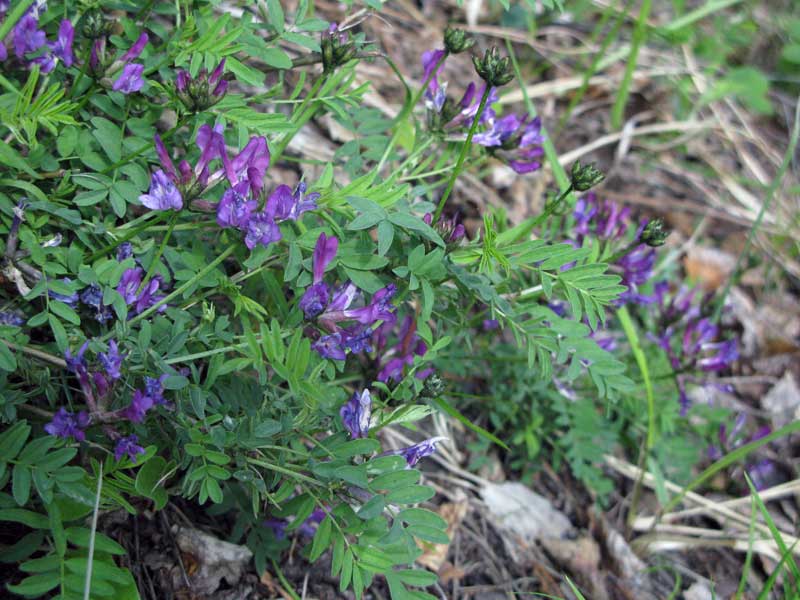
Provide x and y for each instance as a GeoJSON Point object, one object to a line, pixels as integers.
{"type": "Point", "coordinates": [610, 223]}
{"type": "Point", "coordinates": [31, 45]}
{"type": "Point", "coordinates": [394, 360]}
{"type": "Point", "coordinates": [202, 92]}
{"type": "Point", "coordinates": [356, 414]}
{"type": "Point", "coordinates": [96, 387]}
{"type": "Point", "coordinates": [761, 472]}
{"type": "Point", "coordinates": [330, 308]}
{"type": "Point", "coordinates": [515, 140]}
{"type": "Point", "coordinates": [690, 339]}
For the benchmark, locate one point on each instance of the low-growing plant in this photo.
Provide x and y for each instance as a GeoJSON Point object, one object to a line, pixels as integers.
{"type": "Point", "coordinates": [179, 320]}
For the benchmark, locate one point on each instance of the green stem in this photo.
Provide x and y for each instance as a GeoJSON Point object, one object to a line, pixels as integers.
{"type": "Point", "coordinates": [131, 234]}
{"type": "Point", "coordinates": [551, 207]}
{"type": "Point", "coordinates": [639, 36]}
{"type": "Point", "coordinates": [411, 102]}
{"type": "Point", "coordinates": [464, 151]}
{"type": "Point", "coordinates": [787, 158]}
{"type": "Point", "coordinates": [154, 263]}
{"type": "Point", "coordinates": [304, 112]}
{"type": "Point", "coordinates": [178, 291]}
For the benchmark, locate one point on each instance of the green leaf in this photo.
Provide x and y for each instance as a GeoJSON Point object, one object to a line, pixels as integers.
{"type": "Point", "coordinates": [372, 508]}
{"type": "Point", "coordinates": [109, 136]}
{"type": "Point", "coordinates": [322, 539]}
{"type": "Point", "coordinates": [417, 577]}
{"type": "Point", "coordinates": [422, 516]}
{"type": "Point", "coordinates": [244, 73]}
{"type": "Point", "coordinates": [413, 223]}
{"type": "Point", "coordinates": [21, 484]}
{"type": "Point", "coordinates": [428, 534]}
{"type": "Point", "coordinates": [385, 237]}
{"type": "Point", "coordinates": [35, 585]}
{"type": "Point", "coordinates": [11, 158]}
{"type": "Point", "coordinates": [393, 481]}
{"type": "Point", "coordinates": [410, 495]}
{"type": "Point", "coordinates": [81, 537]}
{"type": "Point", "coordinates": [7, 360]}
{"type": "Point", "coordinates": [275, 57]}
{"type": "Point", "coordinates": [26, 517]}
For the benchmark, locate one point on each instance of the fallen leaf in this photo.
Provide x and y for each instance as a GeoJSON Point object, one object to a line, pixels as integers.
{"type": "Point", "coordinates": [435, 554]}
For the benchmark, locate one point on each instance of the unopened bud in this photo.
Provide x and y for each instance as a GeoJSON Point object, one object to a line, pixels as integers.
{"type": "Point", "coordinates": [456, 41]}
{"type": "Point", "coordinates": [493, 69]}
{"type": "Point", "coordinates": [654, 234]}
{"type": "Point", "coordinates": [585, 177]}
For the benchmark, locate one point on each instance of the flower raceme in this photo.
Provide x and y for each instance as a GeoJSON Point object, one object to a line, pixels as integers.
{"type": "Point", "coordinates": [515, 140]}
{"type": "Point", "coordinates": [31, 45]}
{"type": "Point", "coordinates": [331, 307]}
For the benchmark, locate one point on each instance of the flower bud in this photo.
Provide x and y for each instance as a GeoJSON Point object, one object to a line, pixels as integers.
{"type": "Point", "coordinates": [456, 41]}
{"type": "Point", "coordinates": [493, 69]}
{"type": "Point", "coordinates": [585, 177]}
{"type": "Point", "coordinates": [202, 92]}
{"type": "Point", "coordinates": [93, 25]}
{"type": "Point", "coordinates": [433, 387]}
{"type": "Point", "coordinates": [654, 234]}
{"type": "Point", "coordinates": [337, 48]}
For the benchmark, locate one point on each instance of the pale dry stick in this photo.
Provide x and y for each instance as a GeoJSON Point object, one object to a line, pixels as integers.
{"type": "Point", "coordinates": [626, 136]}
{"type": "Point", "coordinates": [562, 85]}
{"type": "Point", "coordinates": [669, 164]}
{"type": "Point", "coordinates": [524, 38]}
{"type": "Point", "coordinates": [659, 542]}
{"type": "Point", "coordinates": [633, 472]}
{"type": "Point", "coordinates": [569, 157]}
{"type": "Point", "coordinates": [700, 84]}
{"type": "Point", "coordinates": [741, 194]}
{"type": "Point", "coordinates": [778, 491]}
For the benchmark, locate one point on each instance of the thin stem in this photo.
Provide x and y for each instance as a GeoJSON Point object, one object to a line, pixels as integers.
{"type": "Point", "coordinates": [213, 265]}
{"type": "Point", "coordinates": [153, 263]}
{"type": "Point", "coordinates": [411, 102]}
{"type": "Point", "coordinates": [639, 36]}
{"type": "Point", "coordinates": [131, 234]}
{"type": "Point", "coordinates": [304, 112]}
{"type": "Point", "coordinates": [12, 18]}
{"type": "Point", "coordinates": [464, 151]}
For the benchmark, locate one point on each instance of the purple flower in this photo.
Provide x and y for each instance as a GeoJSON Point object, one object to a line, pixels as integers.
{"type": "Point", "coordinates": [92, 296]}
{"type": "Point", "coordinates": [143, 299]}
{"type": "Point", "coordinates": [357, 338]}
{"type": "Point", "coordinates": [124, 251]}
{"type": "Point", "coordinates": [309, 526]}
{"type": "Point", "coordinates": [515, 140]}
{"type": "Point", "coordinates": [135, 50]}
{"type": "Point", "coordinates": [62, 47]}
{"type": "Point", "coordinates": [724, 354]}
{"type": "Point", "coordinates": [235, 208]}
{"type": "Point", "coordinates": [356, 414]}
{"type": "Point", "coordinates": [140, 404]}
{"type": "Point", "coordinates": [278, 527]}
{"type": "Point", "coordinates": [324, 253]}
{"type": "Point", "coordinates": [11, 318]}
{"type": "Point", "coordinates": [147, 297]}
{"type": "Point", "coordinates": [154, 388]}
{"type": "Point", "coordinates": [413, 454]}
{"type": "Point", "coordinates": [27, 35]}
{"type": "Point", "coordinates": [77, 363]}
{"type": "Point", "coordinates": [66, 424]}
{"type": "Point", "coordinates": [130, 80]}
{"type": "Point", "coordinates": [317, 296]}
{"type": "Point", "coordinates": [68, 299]}
{"type": "Point", "coordinates": [490, 324]}
{"type": "Point", "coordinates": [284, 204]}
{"type": "Point", "coordinates": [429, 60]}
{"type": "Point", "coordinates": [330, 346]}
{"type": "Point", "coordinates": [112, 360]}
{"type": "Point", "coordinates": [314, 300]}
{"type": "Point", "coordinates": [763, 474]}
{"type": "Point", "coordinates": [211, 143]}
{"type": "Point", "coordinates": [163, 195]}
{"type": "Point", "coordinates": [128, 445]}
{"type": "Point", "coordinates": [129, 283]}
{"type": "Point", "coordinates": [604, 219]}
{"type": "Point", "coordinates": [380, 309]}
{"type": "Point", "coordinates": [410, 345]}
{"type": "Point", "coordinates": [251, 163]}
{"type": "Point", "coordinates": [450, 229]}
{"type": "Point", "coordinates": [261, 229]}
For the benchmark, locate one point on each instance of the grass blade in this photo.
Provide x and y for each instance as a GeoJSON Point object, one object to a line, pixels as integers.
{"type": "Point", "coordinates": [639, 36]}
